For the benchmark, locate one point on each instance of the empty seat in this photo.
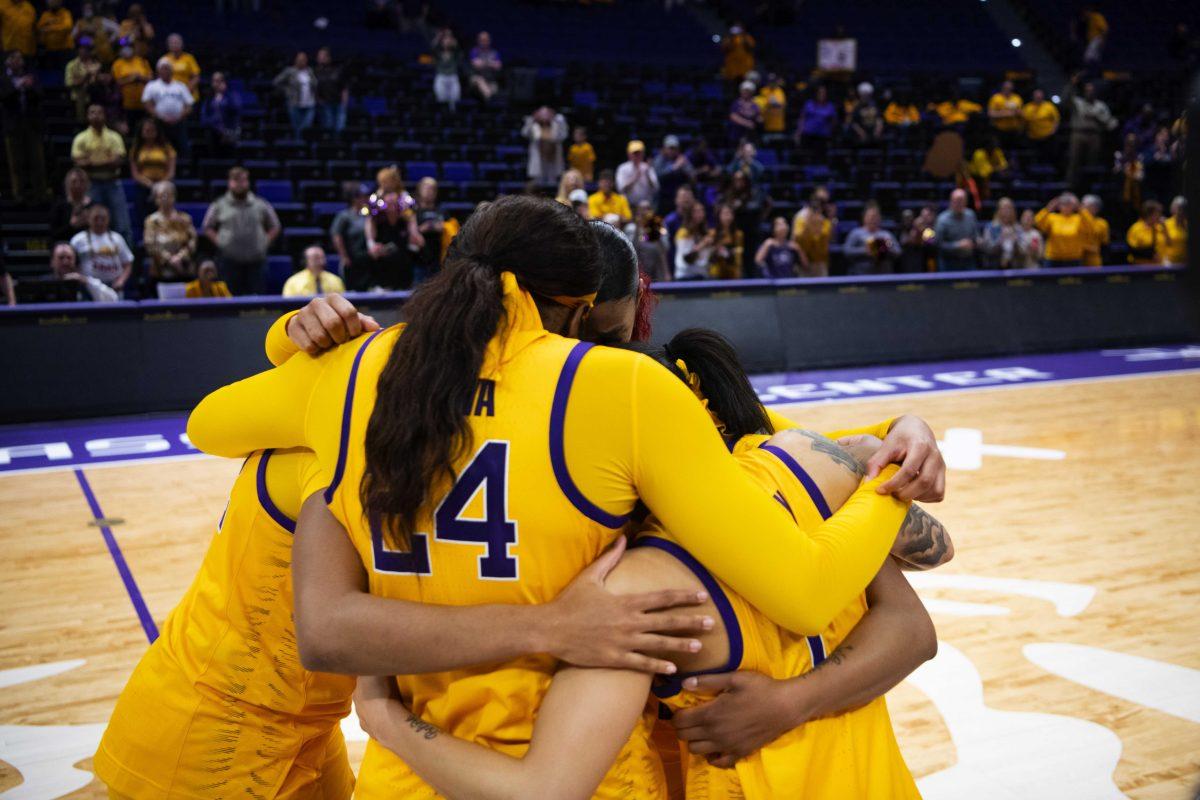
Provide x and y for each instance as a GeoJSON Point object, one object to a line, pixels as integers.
{"type": "Point", "coordinates": [458, 171]}
{"type": "Point", "coordinates": [274, 191]}
{"type": "Point", "coordinates": [415, 170]}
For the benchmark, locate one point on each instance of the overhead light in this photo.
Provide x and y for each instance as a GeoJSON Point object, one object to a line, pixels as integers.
{"type": "Point", "coordinates": [1055, 99]}
{"type": "Point", "coordinates": [716, 39]}
{"type": "Point", "coordinates": [1016, 42]}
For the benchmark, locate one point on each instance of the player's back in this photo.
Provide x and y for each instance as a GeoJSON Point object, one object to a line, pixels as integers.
{"type": "Point", "coordinates": [220, 705]}
{"type": "Point", "coordinates": [850, 755]}
{"type": "Point", "coordinates": [511, 529]}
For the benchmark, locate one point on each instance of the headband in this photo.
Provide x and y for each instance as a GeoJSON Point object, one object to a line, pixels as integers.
{"type": "Point", "coordinates": [693, 382]}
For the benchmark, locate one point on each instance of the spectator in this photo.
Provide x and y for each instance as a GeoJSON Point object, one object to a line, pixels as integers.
{"type": "Point", "coordinates": [99, 30]}
{"type": "Point", "coordinates": [749, 204]}
{"type": "Point", "coordinates": [1159, 164]}
{"type": "Point", "coordinates": [100, 151]}
{"type": "Point", "coordinates": [869, 249]}
{"type": "Point", "coordinates": [738, 48]}
{"type": "Point", "coordinates": [581, 156]}
{"type": "Point", "coordinates": [447, 64]}
{"type": "Point", "coordinates": [694, 246]}
{"type": "Point", "coordinates": [21, 121]}
{"type": "Point", "coordinates": [69, 215]}
{"type": "Point", "coordinates": [772, 102]}
{"type": "Point", "coordinates": [1147, 238]}
{"type": "Point", "coordinates": [388, 180]}
{"type": "Point", "coordinates": [241, 226]}
{"type": "Point", "coordinates": [314, 279]}
{"type": "Point", "coordinates": [54, 28]}
{"type": "Point", "coordinates": [183, 65]}
{"type": "Point", "coordinates": [169, 101]}
{"type": "Point", "coordinates": [1041, 123]}
{"type": "Point", "coordinates": [703, 161]}
{"type": "Point", "coordinates": [957, 111]}
{"type": "Point", "coordinates": [812, 230]}
{"type": "Point", "coordinates": [546, 130]}
{"type": "Point", "coordinates": [80, 74]}
{"type": "Point", "coordinates": [745, 117]}
{"type": "Point", "coordinates": [1004, 111]}
{"type": "Point", "coordinates": [607, 204]}
{"type": "Point", "coordinates": [1004, 242]}
{"type": "Point", "coordinates": [1035, 243]}
{"type": "Point", "coordinates": [206, 283]}
{"type": "Point", "coordinates": [1143, 125]}
{"type": "Point", "coordinates": [817, 121]}
{"type": "Point", "coordinates": [1095, 33]}
{"type": "Point", "coordinates": [103, 254]}
{"type": "Point", "coordinates": [729, 246]}
{"type": "Point", "coordinates": [333, 92]}
{"type": "Point", "coordinates": [636, 178]}
{"type": "Point", "coordinates": [865, 123]}
{"type": "Point", "coordinates": [918, 242]}
{"type": "Point", "coordinates": [1067, 230]}
{"type": "Point", "coordinates": [685, 198]}
{"type": "Point", "coordinates": [955, 230]}
{"type": "Point", "coordinates": [105, 93]}
{"type": "Point", "coordinates": [1127, 162]}
{"type": "Point", "coordinates": [136, 30]}
{"type": "Point", "coordinates": [64, 267]}
{"type": "Point", "coordinates": [745, 159]}
{"type": "Point", "coordinates": [169, 238]}
{"type": "Point", "coordinates": [151, 159]}
{"type": "Point", "coordinates": [348, 232]}
{"type": "Point", "coordinates": [779, 256]}
{"type": "Point", "coordinates": [392, 239]}
{"type": "Point", "coordinates": [17, 21]}
{"type": "Point", "coordinates": [649, 242]}
{"type": "Point", "coordinates": [299, 87]}
{"type": "Point", "coordinates": [1090, 119]}
{"type": "Point", "coordinates": [578, 201]}
{"type": "Point", "coordinates": [902, 115]}
{"type": "Point", "coordinates": [987, 162]}
{"type": "Point", "coordinates": [222, 115]}
{"type": "Point", "coordinates": [570, 182]}
{"type": "Point", "coordinates": [431, 222]}
{"type": "Point", "coordinates": [673, 170]}
{"type": "Point", "coordinates": [1094, 252]}
{"type": "Point", "coordinates": [1176, 228]}
{"type": "Point", "coordinates": [131, 73]}
{"type": "Point", "coordinates": [485, 67]}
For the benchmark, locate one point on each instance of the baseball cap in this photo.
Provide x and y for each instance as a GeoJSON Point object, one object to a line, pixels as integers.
{"type": "Point", "coordinates": [635, 146]}
{"type": "Point", "coordinates": [578, 196]}
{"type": "Point", "coordinates": [671, 141]}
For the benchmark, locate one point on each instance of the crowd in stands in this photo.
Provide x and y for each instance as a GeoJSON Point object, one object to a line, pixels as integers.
{"type": "Point", "coordinates": [697, 204]}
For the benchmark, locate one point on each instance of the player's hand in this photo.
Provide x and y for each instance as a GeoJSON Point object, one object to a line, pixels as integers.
{"type": "Point", "coordinates": [922, 475]}
{"type": "Point", "coordinates": [376, 702]}
{"type": "Point", "coordinates": [749, 712]}
{"type": "Point", "coordinates": [589, 626]}
{"type": "Point", "coordinates": [327, 321]}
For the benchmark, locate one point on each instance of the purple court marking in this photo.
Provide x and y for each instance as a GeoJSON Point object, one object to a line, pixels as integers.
{"type": "Point", "coordinates": [114, 549]}
{"type": "Point", "coordinates": [127, 440]}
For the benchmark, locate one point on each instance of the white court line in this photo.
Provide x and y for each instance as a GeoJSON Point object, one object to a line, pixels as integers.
{"type": "Point", "coordinates": [127, 462]}
{"type": "Point", "coordinates": [1069, 599]}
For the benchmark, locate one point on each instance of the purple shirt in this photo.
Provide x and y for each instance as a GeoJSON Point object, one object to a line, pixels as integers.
{"type": "Point", "coordinates": [818, 118]}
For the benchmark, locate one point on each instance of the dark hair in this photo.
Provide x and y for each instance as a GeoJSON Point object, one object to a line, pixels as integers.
{"type": "Point", "coordinates": [723, 381]}
{"type": "Point", "coordinates": [618, 263]}
{"type": "Point", "coordinates": [418, 428]}
{"type": "Point", "coordinates": [606, 174]}
{"type": "Point", "coordinates": [160, 138]}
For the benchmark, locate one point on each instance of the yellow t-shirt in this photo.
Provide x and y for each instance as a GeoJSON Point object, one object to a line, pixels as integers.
{"type": "Point", "coordinates": [196, 289]}
{"type": "Point", "coordinates": [17, 20]}
{"type": "Point", "coordinates": [1098, 238]}
{"type": "Point", "coordinates": [54, 30]}
{"type": "Point", "coordinates": [1176, 251]}
{"type": "Point", "coordinates": [999, 102]}
{"type": "Point", "coordinates": [773, 115]}
{"type": "Point", "coordinates": [1147, 243]}
{"type": "Point", "coordinates": [985, 162]}
{"type": "Point", "coordinates": [582, 156]}
{"type": "Point", "coordinates": [953, 113]}
{"type": "Point", "coordinates": [131, 93]}
{"type": "Point", "coordinates": [599, 206]}
{"type": "Point", "coordinates": [104, 147]}
{"type": "Point", "coordinates": [186, 68]}
{"type": "Point", "coordinates": [304, 284]}
{"type": "Point", "coordinates": [1097, 25]}
{"type": "Point", "coordinates": [1041, 119]}
{"type": "Point", "coordinates": [1067, 235]}
{"type": "Point", "coordinates": [813, 238]}
{"type": "Point", "coordinates": [896, 114]}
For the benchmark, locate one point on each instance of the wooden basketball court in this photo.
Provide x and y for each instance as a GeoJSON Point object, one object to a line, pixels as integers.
{"type": "Point", "coordinates": [1069, 664]}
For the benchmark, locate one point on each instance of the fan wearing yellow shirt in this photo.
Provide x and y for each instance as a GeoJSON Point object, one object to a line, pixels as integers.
{"type": "Point", "coordinates": [314, 278]}
{"type": "Point", "coordinates": [17, 21]}
{"type": "Point", "coordinates": [183, 65]}
{"type": "Point", "coordinates": [1068, 230]}
{"type": "Point", "coordinates": [586, 714]}
{"type": "Point", "coordinates": [54, 29]}
{"type": "Point", "coordinates": [581, 155]}
{"type": "Point", "coordinates": [1041, 123]}
{"type": "Point", "coordinates": [1147, 238]}
{"type": "Point", "coordinates": [1177, 233]}
{"type": "Point", "coordinates": [605, 202]}
{"type": "Point", "coordinates": [957, 110]}
{"type": "Point", "coordinates": [772, 102]}
{"type": "Point", "coordinates": [527, 266]}
{"type": "Point", "coordinates": [132, 73]}
{"type": "Point", "coordinates": [1093, 253]}
{"type": "Point", "coordinates": [1004, 111]}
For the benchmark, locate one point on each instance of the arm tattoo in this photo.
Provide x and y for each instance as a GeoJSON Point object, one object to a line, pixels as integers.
{"type": "Point", "coordinates": [835, 658]}
{"type": "Point", "coordinates": [825, 445]}
{"type": "Point", "coordinates": [426, 729]}
{"type": "Point", "coordinates": [922, 542]}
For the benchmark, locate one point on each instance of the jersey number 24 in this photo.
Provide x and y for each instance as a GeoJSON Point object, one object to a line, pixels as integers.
{"type": "Point", "coordinates": [495, 533]}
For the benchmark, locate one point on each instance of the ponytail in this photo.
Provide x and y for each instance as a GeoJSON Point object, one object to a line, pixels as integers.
{"type": "Point", "coordinates": [418, 428]}
{"type": "Point", "coordinates": [711, 358]}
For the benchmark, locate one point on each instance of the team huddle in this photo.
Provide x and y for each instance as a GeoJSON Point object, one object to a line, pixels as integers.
{"type": "Point", "coordinates": [541, 558]}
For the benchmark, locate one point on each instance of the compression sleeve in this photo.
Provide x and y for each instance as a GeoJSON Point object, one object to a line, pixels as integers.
{"type": "Point", "coordinates": [683, 471]}
{"type": "Point", "coordinates": [781, 423]}
{"type": "Point", "coordinates": [279, 347]}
